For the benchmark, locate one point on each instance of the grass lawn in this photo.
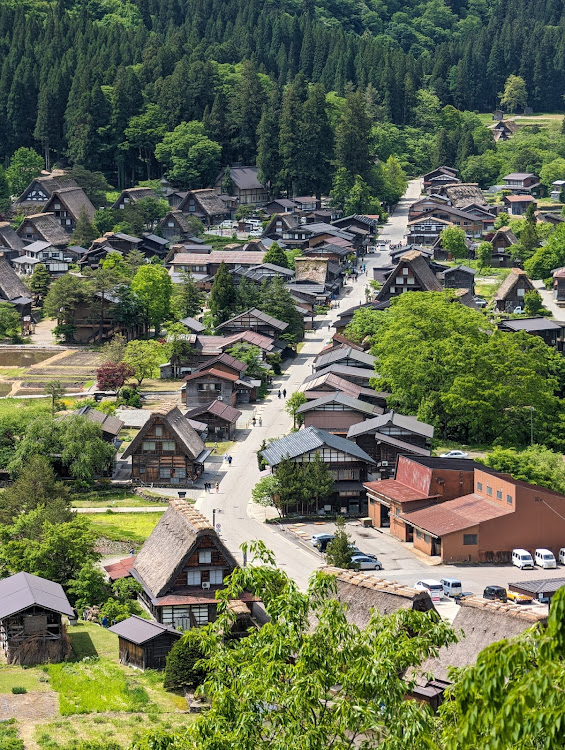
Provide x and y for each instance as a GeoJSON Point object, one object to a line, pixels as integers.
{"type": "Point", "coordinates": [125, 527]}
{"type": "Point", "coordinates": [9, 736]}
{"type": "Point", "coordinates": [218, 449]}
{"type": "Point", "coordinates": [111, 499]}
{"type": "Point", "coordinates": [89, 639]}
{"type": "Point", "coordinates": [300, 347]}
{"type": "Point", "coordinates": [121, 730]}
{"type": "Point", "coordinates": [31, 678]}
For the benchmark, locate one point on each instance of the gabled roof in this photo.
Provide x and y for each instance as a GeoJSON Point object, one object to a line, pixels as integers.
{"type": "Point", "coordinates": [213, 371]}
{"type": "Point", "coordinates": [109, 424]}
{"type": "Point", "coordinates": [180, 219]}
{"type": "Point", "coordinates": [11, 286]}
{"type": "Point", "coordinates": [193, 324]}
{"type": "Point", "coordinates": [139, 631]}
{"type": "Point", "coordinates": [49, 183]}
{"type": "Point", "coordinates": [9, 238]}
{"type": "Point", "coordinates": [339, 353]}
{"type": "Point", "coordinates": [460, 267]}
{"type": "Point", "coordinates": [347, 372]}
{"type": "Point", "coordinates": [392, 418]}
{"type": "Point", "coordinates": [531, 325]}
{"type": "Point", "coordinates": [210, 202]}
{"type": "Point", "coordinates": [170, 543]}
{"type": "Point", "coordinates": [463, 193]}
{"type": "Point", "coordinates": [75, 199]}
{"type": "Point", "coordinates": [307, 440]}
{"type": "Point", "coordinates": [23, 590]}
{"type": "Point", "coordinates": [338, 398]}
{"type": "Point", "coordinates": [519, 176]}
{"type": "Point", "coordinates": [335, 383]}
{"type": "Point", "coordinates": [219, 409]}
{"type": "Point", "coordinates": [507, 287]}
{"type": "Point", "coordinates": [266, 343]}
{"type": "Point", "coordinates": [519, 198]}
{"type": "Point", "coordinates": [136, 194]}
{"type": "Point", "coordinates": [224, 359]}
{"type": "Point", "coordinates": [48, 227]}
{"type": "Point", "coordinates": [421, 270]}
{"type": "Point", "coordinates": [187, 439]}
{"type": "Point", "coordinates": [507, 233]}
{"type": "Point", "coordinates": [455, 515]}
{"type": "Point", "coordinates": [244, 178]}
{"type": "Point", "coordinates": [426, 217]}
{"type": "Point", "coordinates": [230, 257]}
{"type": "Point", "coordinates": [261, 317]}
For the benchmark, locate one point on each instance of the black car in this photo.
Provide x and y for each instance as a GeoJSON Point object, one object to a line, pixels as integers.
{"type": "Point", "coordinates": [497, 593]}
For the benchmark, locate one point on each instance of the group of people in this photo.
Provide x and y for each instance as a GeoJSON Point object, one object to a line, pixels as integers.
{"type": "Point", "coordinates": [283, 393]}
{"type": "Point", "coordinates": [208, 486]}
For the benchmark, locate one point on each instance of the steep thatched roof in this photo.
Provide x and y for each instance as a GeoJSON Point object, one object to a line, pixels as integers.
{"type": "Point", "coordinates": [363, 592]}
{"type": "Point", "coordinates": [11, 286]}
{"type": "Point", "coordinates": [482, 622]}
{"type": "Point", "coordinates": [210, 203]}
{"type": "Point", "coordinates": [465, 192]}
{"type": "Point", "coordinates": [507, 287]}
{"type": "Point", "coordinates": [74, 199]}
{"type": "Point", "coordinates": [9, 238]}
{"type": "Point", "coordinates": [187, 439]}
{"type": "Point", "coordinates": [170, 543]}
{"type": "Point", "coordinates": [48, 227]}
{"type": "Point", "coordinates": [180, 219]}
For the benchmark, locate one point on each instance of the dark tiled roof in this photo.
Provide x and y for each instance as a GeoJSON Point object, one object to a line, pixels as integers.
{"type": "Point", "coordinates": [23, 590]}
{"type": "Point", "coordinates": [217, 408]}
{"type": "Point", "coordinates": [310, 439]}
{"type": "Point", "coordinates": [338, 398]}
{"type": "Point", "coordinates": [246, 178]}
{"type": "Point", "coordinates": [11, 286]}
{"type": "Point", "coordinates": [111, 425]}
{"type": "Point", "coordinates": [392, 418]}
{"type": "Point", "coordinates": [531, 324]}
{"type": "Point", "coordinates": [137, 630]}
{"type": "Point", "coordinates": [193, 324]}
{"type": "Point", "coordinates": [261, 316]}
{"type": "Point", "coordinates": [339, 353]}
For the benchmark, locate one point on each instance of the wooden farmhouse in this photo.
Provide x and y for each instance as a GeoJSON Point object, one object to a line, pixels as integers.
{"type": "Point", "coordinates": [206, 205]}
{"type": "Point", "coordinates": [253, 320]}
{"type": "Point", "coordinates": [31, 624]}
{"type": "Point", "coordinates": [181, 566]}
{"type": "Point", "coordinates": [13, 290]}
{"type": "Point", "coordinates": [220, 419]}
{"type": "Point", "coordinates": [174, 226]}
{"type": "Point", "coordinates": [67, 204]}
{"type": "Point", "coordinates": [40, 189]}
{"type": "Point", "coordinates": [559, 285]}
{"type": "Point", "coordinates": [45, 227]}
{"type": "Point", "coordinates": [458, 277]}
{"type": "Point", "coordinates": [130, 197]}
{"type": "Point", "coordinates": [221, 378]}
{"type": "Point", "coordinates": [144, 644]}
{"type": "Point", "coordinates": [167, 450]}
{"type": "Point", "coordinates": [336, 412]}
{"type": "Point", "coordinates": [512, 291]}
{"type": "Point", "coordinates": [246, 187]}
{"type": "Point", "coordinates": [412, 274]}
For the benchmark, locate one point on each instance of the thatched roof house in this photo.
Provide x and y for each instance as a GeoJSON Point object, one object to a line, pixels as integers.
{"type": "Point", "coordinates": [44, 226]}
{"type": "Point", "coordinates": [480, 623]}
{"type": "Point", "coordinates": [181, 566]}
{"type": "Point", "coordinates": [67, 205]}
{"type": "Point", "coordinates": [512, 291]}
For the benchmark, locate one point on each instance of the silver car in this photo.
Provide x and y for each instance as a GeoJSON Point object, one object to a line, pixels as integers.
{"type": "Point", "coordinates": [362, 562]}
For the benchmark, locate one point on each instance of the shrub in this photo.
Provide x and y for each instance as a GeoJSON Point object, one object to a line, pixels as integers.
{"type": "Point", "coordinates": [17, 690]}
{"type": "Point", "coordinates": [181, 672]}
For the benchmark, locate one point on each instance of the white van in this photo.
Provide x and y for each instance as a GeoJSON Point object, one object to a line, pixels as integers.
{"type": "Point", "coordinates": [544, 558]}
{"type": "Point", "coordinates": [451, 586]}
{"type": "Point", "coordinates": [433, 587]}
{"type": "Point", "coordinates": [562, 555]}
{"type": "Point", "coordinates": [521, 558]}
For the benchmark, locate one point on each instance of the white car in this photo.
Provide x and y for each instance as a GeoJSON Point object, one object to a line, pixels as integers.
{"type": "Point", "coordinates": [362, 562]}
{"type": "Point", "coordinates": [518, 311]}
{"type": "Point", "coordinates": [255, 233]}
{"type": "Point", "coordinates": [226, 225]}
{"type": "Point", "coordinates": [433, 587]}
{"type": "Point", "coordinates": [454, 454]}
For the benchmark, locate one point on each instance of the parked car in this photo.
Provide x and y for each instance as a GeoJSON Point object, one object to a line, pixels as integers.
{"type": "Point", "coordinates": [255, 233]}
{"type": "Point", "coordinates": [433, 587]}
{"type": "Point", "coordinates": [226, 224]}
{"type": "Point", "coordinates": [496, 593]}
{"type": "Point", "coordinates": [316, 537]}
{"type": "Point", "coordinates": [451, 586]}
{"type": "Point", "coordinates": [362, 562]}
{"type": "Point", "coordinates": [522, 559]}
{"type": "Point", "coordinates": [544, 558]}
{"type": "Point", "coordinates": [322, 542]}
{"type": "Point", "coordinates": [562, 555]}
{"type": "Point", "coordinates": [518, 311]}
{"type": "Point", "coordinates": [514, 596]}
{"type": "Point", "coordinates": [458, 598]}
{"type": "Point", "coordinates": [454, 454]}
{"type": "Point", "coordinates": [480, 302]}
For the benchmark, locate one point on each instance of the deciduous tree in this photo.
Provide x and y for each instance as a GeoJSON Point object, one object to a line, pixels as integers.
{"type": "Point", "coordinates": [515, 93]}
{"type": "Point", "coordinates": [191, 158]}
{"type": "Point", "coordinates": [145, 357]}
{"type": "Point", "coordinates": [112, 376]}
{"type": "Point", "coordinates": [293, 403]}
{"type": "Point", "coordinates": [453, 240]}
{"type": "Point", "coordinates": [339, 552]}
{"type": "Point", "coordinates": [25, 164]}
{"type": "Point", "coordinates": [153, 287]}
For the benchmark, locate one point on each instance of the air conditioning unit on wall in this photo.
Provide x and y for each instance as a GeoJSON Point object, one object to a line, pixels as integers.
{"type": "Point", "coordinates": [206, 585]}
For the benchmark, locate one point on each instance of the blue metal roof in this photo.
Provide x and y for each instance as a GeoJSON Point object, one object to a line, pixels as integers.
{"type": "Point", "coordinates": [307, 440]}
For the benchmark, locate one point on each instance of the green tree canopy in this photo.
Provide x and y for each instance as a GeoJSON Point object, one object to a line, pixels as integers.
{"type": "Point", "coordinates": [339, 552]}
{"type": "Point", "coordinates": [453, 240]}
{"type": "Point", "coordinates": [276, 255]}
{"type": "Point", "coordinates": [535, 464]}
{"type": "Point", "coordinates": [153, 287]}
{"type": "Point", "coordinates": [515, 93]}
{"type": "Point", "coordinates": [191, 158]}
{"type": "Point", "coordinates": [222, 297]}
{"type": "Point", "coordinates": [25, 164]}
{"type": "Point", "coordinates": [145, 357]}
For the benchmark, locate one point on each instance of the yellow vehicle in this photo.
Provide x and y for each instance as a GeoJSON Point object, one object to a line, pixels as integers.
{"type": "Point", "coordinates": [513, 596]}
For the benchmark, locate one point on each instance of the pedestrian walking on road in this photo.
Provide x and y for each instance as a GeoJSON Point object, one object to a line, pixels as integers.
{"type": "Point", "coordinates": [260, 422]}
{"type": "Point", "coordinates": [253, 421]}
{"type": "Point", "coordinates": [217, 487]}
{"type": "Point", "coordinates": [279, 393]}
{"type": "Point", "coordinates": [284, 392]}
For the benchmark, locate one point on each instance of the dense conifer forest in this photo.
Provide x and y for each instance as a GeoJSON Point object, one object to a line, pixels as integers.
{"type": "Point", "coordinates": [99, 82]}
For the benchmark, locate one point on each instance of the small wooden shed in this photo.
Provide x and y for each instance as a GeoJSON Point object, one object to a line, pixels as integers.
{"type": "Point", "coordinates": [144, 644]}
{"type": "Point", "coordinates": [31, 626]}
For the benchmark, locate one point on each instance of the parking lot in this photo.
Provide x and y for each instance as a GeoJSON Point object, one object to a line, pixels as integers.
{"type": "Point", "coordinates": [402, 564]}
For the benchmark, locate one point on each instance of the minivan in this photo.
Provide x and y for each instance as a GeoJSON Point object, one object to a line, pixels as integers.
{"type": "Point", "coordinates": [562, 555]}
{"type": "Point", "coordinates": [495, 592]}
{"type": "Point", "coordinates": [451, 586]}
{"type": "Point", "coordinates": [544, 558]}
{"type": "Point", "coordinates": [521, 558]}
{"type": "Point", "coordinates": [433, 587]}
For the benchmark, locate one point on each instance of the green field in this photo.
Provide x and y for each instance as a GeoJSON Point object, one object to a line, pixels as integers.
{"type": "Point", "coordinates": [114, 499]}
{"type": "Point", "coordinates": [126, 527]}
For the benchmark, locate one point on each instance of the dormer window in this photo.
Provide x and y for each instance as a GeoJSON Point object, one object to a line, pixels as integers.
{"type": "Point", "coordinates": [205, 556]}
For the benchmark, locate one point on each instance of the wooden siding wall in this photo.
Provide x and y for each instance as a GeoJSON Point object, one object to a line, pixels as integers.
{"type": "Point", "coordinates": [147, 465]}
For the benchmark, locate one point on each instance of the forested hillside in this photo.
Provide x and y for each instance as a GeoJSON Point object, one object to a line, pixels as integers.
{"type": "Point", "coordinates": [75, 72]}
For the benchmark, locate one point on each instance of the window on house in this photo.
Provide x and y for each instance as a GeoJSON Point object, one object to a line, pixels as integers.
{"type": "Point", "coordinates": [142, 469]}
{"type": "Point", "coordinates": [205, 556]}
{"type": "Point", "coordinates": [521, 292]}
{"type": "Point", "coordinates": [479, 486]}
{"type": "Point", "coordinates": [418, 534]}
{"type": "Point", "coordinates": [405, 272]}
{"type": "Point", "coordinates": [392, 290]}
{"type": "Point", "coordinates": [164, 472]}
{"type": "Point", "coordinates": [169, 445]}
{"type": "Point", "coordinates": [193, 578]}
{"type": "Point", "coordinates": [489, 491]}
{"type": "Point", "coordinates": [148, 445]}
{"type": "Point", "coordinates": [509, 499]}
{"type": "Point", "coordinates": [209, 387]}
{"type": "Point", "coordinates": [200, 614]}
{"type": "Point", "coordinates": [499, 494]}
{"type": "Point", "coordinates": [216, 576]}
{"type": "Point", "coordinates": [397, 511]}
{"type": "Point", "coordinates": [427, 538]}
{"type": "Point", "coordinates": [158, 430]}
{"type": "Point", "coordinates": [470, 539]}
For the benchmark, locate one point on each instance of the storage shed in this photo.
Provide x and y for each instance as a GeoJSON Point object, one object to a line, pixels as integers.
{"type": "Point", "coordinates": [144, 644]}
{"type": "Point", "coordinates": [31, 626]}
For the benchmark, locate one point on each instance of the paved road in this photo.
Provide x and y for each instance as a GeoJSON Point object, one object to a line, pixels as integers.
{"type": "Point", "coordinates": [556, 310]}
{"type": "Point", "coordinates": [240, 519]}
